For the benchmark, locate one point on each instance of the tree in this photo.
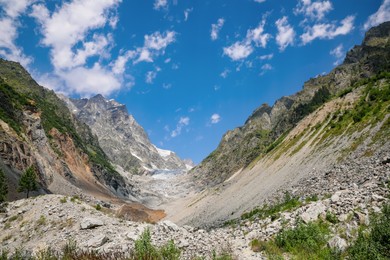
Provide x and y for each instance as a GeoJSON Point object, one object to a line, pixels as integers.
{"type": "Point", "coordinates": [3, 187]}
{"type": "Point", "coordinates": [28, 181]}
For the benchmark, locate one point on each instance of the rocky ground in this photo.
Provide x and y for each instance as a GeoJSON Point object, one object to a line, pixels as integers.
{"type": "Point", "coordinates": [349, 191]}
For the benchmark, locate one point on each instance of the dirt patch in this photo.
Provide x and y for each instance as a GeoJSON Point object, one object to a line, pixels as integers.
{"type": "Point", "coordinates": [139, 213]}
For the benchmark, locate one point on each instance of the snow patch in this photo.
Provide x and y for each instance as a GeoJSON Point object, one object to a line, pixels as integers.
{"type": "Point", "coordinates": [163, 153]}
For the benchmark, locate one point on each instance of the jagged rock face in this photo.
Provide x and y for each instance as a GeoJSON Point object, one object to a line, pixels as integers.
{"type": "Point", "coordinates": [121, 137]}
{"type": "Point", "coordinates": [37, 129]}
{"type": "Point", "coordinates": [239, 147]}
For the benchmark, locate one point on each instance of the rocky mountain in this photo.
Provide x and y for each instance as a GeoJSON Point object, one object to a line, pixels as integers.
{"type": "Point", "coordinates": [269, 125]}
{"type": "Point", "coordinates": [121, 137]}
{"type": "Point", "coordinates": [37, 129]}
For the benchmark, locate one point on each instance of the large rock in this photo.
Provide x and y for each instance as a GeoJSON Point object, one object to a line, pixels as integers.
{"type": "Point", "coordinates": [97, 241]}
{"type": "Point", "coordinates": [311, 214]}
{"type": "Point", "coordinates": [338, 243]}
{"type": "Point", "coordinates": [88, 223]}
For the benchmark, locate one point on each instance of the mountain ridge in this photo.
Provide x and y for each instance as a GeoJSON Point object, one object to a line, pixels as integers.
{"type": "Point", "coordinates": [124, 141]}
{"type": "Point", "coordinates": [239, 147]}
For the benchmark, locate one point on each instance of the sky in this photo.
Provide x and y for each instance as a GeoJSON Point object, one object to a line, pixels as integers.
{"type": "Point", "coordinates": [188, 71]}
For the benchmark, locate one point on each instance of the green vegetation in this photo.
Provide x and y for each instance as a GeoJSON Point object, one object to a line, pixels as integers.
{"type": "Point", "coordinates": [28, 181]}
{"type": "Point", "coordinates": [320, 97]}
{"type": "Point", "coordinates": [11, 106]}
{"type": "Point", "coordinates": [272, 211]}
{"type": "Point", "coordinates": [98, 207]}
{"type": "Point", "coordinates": [374, 243]}
{"type": "Point", "coordinates": [3, 187]}
{"type": "Point", "coordinates": [63, 200]}
{"type": "Point", "coordinates": [305, 241]}
{"type": "Point", "coordinates": [331, 217]}
{"type": "Point", "coordinates": [19, 92]}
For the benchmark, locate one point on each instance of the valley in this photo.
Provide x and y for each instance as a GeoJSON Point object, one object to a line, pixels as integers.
{"type": "Point", "coordinates": [316, 160]}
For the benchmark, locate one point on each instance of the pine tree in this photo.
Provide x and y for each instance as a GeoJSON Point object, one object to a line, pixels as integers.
{"type": "Point", "coordinates": [3, 187]}
{"type": "Point", "coordinates": [28, 181]}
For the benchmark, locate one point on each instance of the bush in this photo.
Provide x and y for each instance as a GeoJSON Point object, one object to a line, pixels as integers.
{"type": "Point", "coordinates": [374, 244]}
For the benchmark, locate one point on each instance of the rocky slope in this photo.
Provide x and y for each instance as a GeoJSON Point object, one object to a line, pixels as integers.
{"type": "Point", "coordinates": [239, 147]}
{"type": "Point", "coordinates": [37, 129]}
{"type": "Point", "coordinates": [349, 193]}
{"type": "Point", "coordinates": [121, 137]}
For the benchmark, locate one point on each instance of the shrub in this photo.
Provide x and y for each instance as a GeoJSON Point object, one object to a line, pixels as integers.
{"type": "Point", "coordinates": [331, 217]}
{"type": "Point", "coordinates": [374, 244]}
{"type": "Point", "coordinates": [98, 207]}
{"type": "Point", "coordinates": [3, 187]}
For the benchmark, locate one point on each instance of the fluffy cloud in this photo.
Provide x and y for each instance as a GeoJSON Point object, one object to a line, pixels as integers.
{"type": "Point", "coordinates": [88, 81]}
{"type": "Point", "coordinates": [242, 49]}
{"type": "Point", "coordinates": [215, 28]}
{"type": "Point", "coordinates": [215, 118]}
{"type": "Point", "coordinates": [338, 53]}
{"type": "Point", "coordinates": [238, 51]}
{"type": "Point", "coordinates": [160, 4]}
{"type": "Point", "coordinates": [257, 35]}
{"type": "Point", "coordinates": [154, 45]}
{"type": "Point", "coordinates": [70, 25]}
{"type": "Point", "coordinates": [260, 1]}
{"type": "Point", "coordinates": [314, 10]}
{"type": "Point", "coordinates": [327, 30]}
{"type": "Point", "coordinates": [382, 15]}
{"type": "Point", "coordinates": [151, 75]}
{"type": "Point", "coordinates": [183, 121]}
{"type": "Point", "coordinates": [286, 33]}
{"type": "Point", "coordinates": [8, 30]}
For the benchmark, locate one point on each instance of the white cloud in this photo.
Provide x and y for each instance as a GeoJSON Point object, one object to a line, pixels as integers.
{"type": "Point", "coordinates": [187, 13]}
{"type": "Point", "coordinates": [328, 31]}
{"type": "Point", "coordinates": [154, 45]}
{"type": "Point", "coordinates": [225, 73]}
{"type": "Point", "coordinates": [183, 121]}
{"type": "Point", "coordinates": [167, 85]}
{"type": "Point", "coordinates": [160, 4]}
{"type": "Point", "coordinates": [260, 1]}
{"type": "Point", "coordinates": [70, 25]}
{"type": "Point", "coordinates": [215, 28]}
{"type": "Point", "coordinates": [258, 36]}
{"type": "Point", "coordinates": [215, 118]}
{"type": "Point", "coordinates": [15, 8]}
{"type": "Point", "coordinates": [238, 51]}
{"type": "Point", "coordinates": [266, 67]}
{"type": "Point", "coordinates": [8, 30]}
{"type": "Point", "coordinates": [150, 76]}
{"type": "Point", "coordinates": [338, 53]}
{"type": "Point", "coordinates": [158, 41]}
{"type": "Point", "coordinates": [286, 33]}
{"type": "Point", "coordinates": [382, 15]}
{"type": "Point", "coordinates": [242, 49]}
{"type": "Point", "coordinates": [267, 56]}
{"type": "Point", "coordinates": [87, 81]}
{"type": "Point", "coordinates": [314, 10]}
{"type": "Point", "coordinates": [118, 67]}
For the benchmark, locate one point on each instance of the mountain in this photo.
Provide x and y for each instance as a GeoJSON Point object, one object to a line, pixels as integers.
{"type": "Point", "coordinates": [37, 129]}
{"type": "Point", "coordinates": [121, 137]}
{"type": "Point", "coordinates": [330, 136]}
{"type": "Point", "coordinates": [269, 125]}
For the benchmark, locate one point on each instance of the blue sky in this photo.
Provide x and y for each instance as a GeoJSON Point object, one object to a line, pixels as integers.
{"type": "Point", "coordinates": [188, 71]}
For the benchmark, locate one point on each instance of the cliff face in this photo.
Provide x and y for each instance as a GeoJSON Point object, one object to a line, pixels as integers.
{"type": "Point", "coordinates": [267, 125]}
{"type": "Point", "coordinates": [121, 137]}
{"type": "Point", "coordinates": [37, 129]}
